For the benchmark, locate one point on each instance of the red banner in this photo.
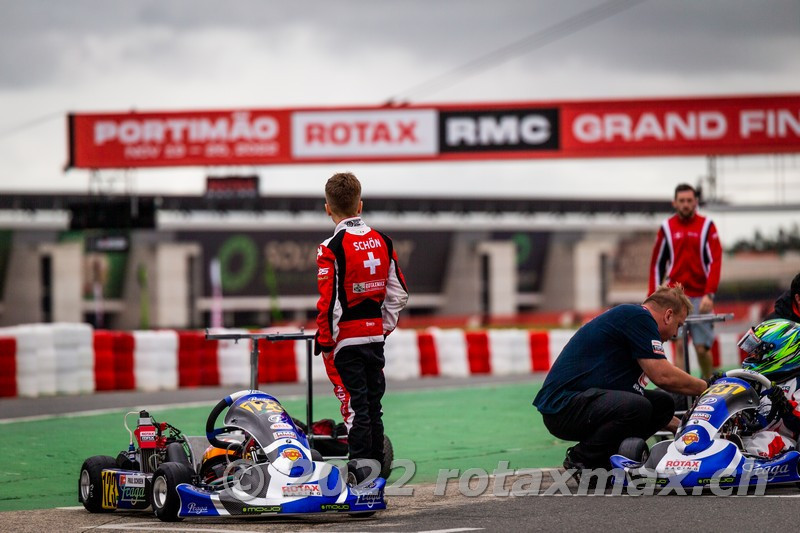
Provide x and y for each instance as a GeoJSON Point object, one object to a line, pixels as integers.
{"type": "Point", "coordinates": [206, 138]}
{"type": "Point", "coordinates": [520, 130]}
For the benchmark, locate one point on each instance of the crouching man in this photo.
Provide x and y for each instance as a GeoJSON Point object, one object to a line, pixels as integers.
{"type": "Point", "coordinates": [595, 392]}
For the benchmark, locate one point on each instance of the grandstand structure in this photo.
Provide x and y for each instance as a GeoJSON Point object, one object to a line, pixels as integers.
{"type": "Point", "coordinates": [461, 255]}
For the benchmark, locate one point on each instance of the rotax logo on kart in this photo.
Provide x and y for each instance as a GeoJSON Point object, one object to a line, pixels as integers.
{"type": "Point", "coordinates": [681, 464]}
{"type": "Point", "coordinates": [306, 489]}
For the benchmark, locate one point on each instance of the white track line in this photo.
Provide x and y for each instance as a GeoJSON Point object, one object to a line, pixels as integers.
{"type": "Point", "coordinates": [95, 412]}
{"type": "Point", "coordinates": [452, 530]}
{"type": "Point", "coordinates": [150, 526]}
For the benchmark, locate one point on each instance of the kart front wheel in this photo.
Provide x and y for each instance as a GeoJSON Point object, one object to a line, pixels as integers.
{"type": "Point", "coordinates": [634, 449]}
{"type": "Point", "coordinates": [90, 483]}
{"type": "Point", "coordinates": [164, 490]}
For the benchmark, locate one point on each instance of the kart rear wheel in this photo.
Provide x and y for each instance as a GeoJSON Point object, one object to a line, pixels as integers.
{"type": "Point", "coordinates": [164, 490]}
{"type": "Point", "coordinates": [90, 482]}
{"type": "Point", "coordinates": [388, 457]}
{"type": "Point", "coordinates": [634, 449]}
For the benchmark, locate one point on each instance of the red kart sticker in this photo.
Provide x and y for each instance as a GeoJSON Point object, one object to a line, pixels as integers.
{"type": "Point", "coordinates": [680, 464]}
{"type": "Point", "coordinates": [307, 489]}
{"type": "Point", "coordinates": [292, 454]}
{"type": "Point", "coordinates": [690, 438]}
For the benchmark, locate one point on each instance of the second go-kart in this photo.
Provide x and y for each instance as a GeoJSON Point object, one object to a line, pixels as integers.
{"type": "Point", "coordinates": [708, 449]}
{"type": "Point", "coordinates": [259, 463]}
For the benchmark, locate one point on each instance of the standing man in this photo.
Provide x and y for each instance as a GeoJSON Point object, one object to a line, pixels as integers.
{"type": "Point", "coordinates": [595, 393]}
{"type": "Point", "coordinates": [788, 304]}
{"type": "Point", "coordinates": [361, 294]}
{"type": "Point", "coordinates": [687, 251]}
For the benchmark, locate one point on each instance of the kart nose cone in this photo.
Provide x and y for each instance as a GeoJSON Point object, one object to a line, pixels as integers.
{"type": "Point", "coordinates": [291, 461]}
{"type": "Point", "coordinates": [692, 440]}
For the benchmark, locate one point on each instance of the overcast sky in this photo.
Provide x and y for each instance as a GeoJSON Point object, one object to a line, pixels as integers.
{"type": "Point", "coordinates": [60, 56]}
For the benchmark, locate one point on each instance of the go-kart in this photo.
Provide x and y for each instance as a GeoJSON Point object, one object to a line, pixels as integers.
{"type": "Point", "coordinates": [707, 449]}
{"type": "Point", "coordinates": [258, 463]}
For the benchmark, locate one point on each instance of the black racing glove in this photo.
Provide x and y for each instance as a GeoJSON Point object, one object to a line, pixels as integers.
{"type": "Point", "coordinates": [780, 404]}
{"type": "Point", "coordinates": [319, 347]}
{"type": "Point", "coordinates": [714, 377]}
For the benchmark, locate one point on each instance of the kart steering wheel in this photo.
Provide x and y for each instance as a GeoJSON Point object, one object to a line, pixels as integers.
{"type": "Point", "coordinates": [750, 375]}
{"type": "Point", "coordinates": [212, 432]}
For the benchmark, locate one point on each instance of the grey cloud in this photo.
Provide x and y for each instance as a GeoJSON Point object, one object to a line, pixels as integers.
{"type": "Point", "coordinates": [680, 36]}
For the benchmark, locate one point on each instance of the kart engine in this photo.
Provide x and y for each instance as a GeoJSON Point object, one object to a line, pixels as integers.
{"type": "Point", "coordinates": [152, 439]}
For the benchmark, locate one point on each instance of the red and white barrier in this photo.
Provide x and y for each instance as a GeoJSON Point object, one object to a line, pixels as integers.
{"type": "Point", "coordinates": [46, 359]}
{"type": "Point", "coordinates": [8, 367]}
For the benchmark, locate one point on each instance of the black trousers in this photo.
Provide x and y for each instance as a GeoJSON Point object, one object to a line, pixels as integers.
{"type": "Point", "coordinates": [360, 369]}
{"type": "Point", "coordinates": [601, 419]}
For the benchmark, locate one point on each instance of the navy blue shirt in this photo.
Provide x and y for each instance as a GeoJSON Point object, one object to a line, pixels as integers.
{"type": "Point", "coordinates": [603, 354]}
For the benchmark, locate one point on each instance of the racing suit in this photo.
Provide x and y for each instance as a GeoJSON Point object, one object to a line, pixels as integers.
{"type": "Point", "coordinates": [780, 429]}
{"type": "Point", "coordinates": [687, 252]}
{"type": "Point", "coordinates": [785, 307]}
{"type": "Point", "coordinates": [361, 293]}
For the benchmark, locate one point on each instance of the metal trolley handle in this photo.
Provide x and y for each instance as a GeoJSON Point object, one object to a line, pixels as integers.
{"type": "Point", "coordinates": [710, 318]}
{"type": "Point", "coordinates": [272, 337]}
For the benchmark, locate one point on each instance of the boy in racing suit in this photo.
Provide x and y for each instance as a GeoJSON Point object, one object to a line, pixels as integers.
{"type": "Point", "coordinates": [779, 416]}
{"type": "Point", "coordinates": [774, 348]}
{"type": "Point", "coordinates": [361, 294]}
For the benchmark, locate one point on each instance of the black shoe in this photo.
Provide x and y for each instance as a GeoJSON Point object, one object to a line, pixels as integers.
{"type": "Point", "coordinates": [356, 474]}
{"type": "Point", "coordinates": [570, 463]}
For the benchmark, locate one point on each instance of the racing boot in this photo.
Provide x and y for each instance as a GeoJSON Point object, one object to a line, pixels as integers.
{"type": "Point", "coordinates": [357, 472]}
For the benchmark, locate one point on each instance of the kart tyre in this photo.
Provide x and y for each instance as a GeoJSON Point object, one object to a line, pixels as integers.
{"type": "Point", "coordinates": [634, 449]}
{"type": "Point", "coordinates": [362, 515]}
{"type": "Point", "coordinates": [90, 482]}
{"type": "Point", "coordinates": [164, 490]}
{"type": "Point", "coordinates": [388, 457]}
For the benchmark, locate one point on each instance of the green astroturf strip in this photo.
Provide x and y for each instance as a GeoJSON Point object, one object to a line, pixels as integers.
{"type": "Point", "coordinates": [474, 427]}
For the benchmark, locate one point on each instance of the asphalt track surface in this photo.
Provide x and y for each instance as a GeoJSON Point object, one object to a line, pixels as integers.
{"type": "Point", "coordinates": [550, 508]}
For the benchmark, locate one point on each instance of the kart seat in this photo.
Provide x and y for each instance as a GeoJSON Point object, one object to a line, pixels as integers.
{"type": "Point", "coordinates": [176, 453]}
{"type": "Point", "coordinates": [657, 453]}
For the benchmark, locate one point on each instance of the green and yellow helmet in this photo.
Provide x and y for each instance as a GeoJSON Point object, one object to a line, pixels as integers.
{"type": "Point", "coordinates": [774, 349]}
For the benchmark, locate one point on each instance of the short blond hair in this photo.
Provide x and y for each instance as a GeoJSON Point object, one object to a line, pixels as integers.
{"type": "Point", "coordinates": [343, 194]}
{"type": "Point", "coordinates": [666, 297]}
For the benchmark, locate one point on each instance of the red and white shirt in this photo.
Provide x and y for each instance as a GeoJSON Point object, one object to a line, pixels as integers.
{"type": "Point", "coordinates": [361, 287]}
{"type": "Point", "coordinates": [687, 252]}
